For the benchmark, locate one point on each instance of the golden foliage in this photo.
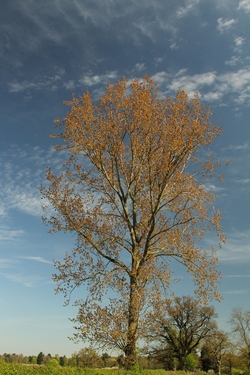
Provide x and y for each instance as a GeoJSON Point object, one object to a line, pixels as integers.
{"type": "Point", "coordinates": [133, 189]}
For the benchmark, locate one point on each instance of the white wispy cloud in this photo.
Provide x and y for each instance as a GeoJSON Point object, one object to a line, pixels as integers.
{"type": "Point", "coordinates": [244, 5]}
{"type": "Point", "coordinates": [225, 24]}
{"type": "Point", "coordinates": [189, 6]}
{"type": "Point", "coordinates": [90, 80]}
{"type": "Point", "coordinates": [140, 67]}
{"type": "Point", "coordinates": [26, 201]}
{"type": "Point", "coordinates": [243, 146]}
{"type": "Point", "coordinates": [236, 248]}
{"type": "Point", "coordinates": [6, 263]}
{"type": "Point", "coordinates": [35, 258]}
{"type": "Point", "coordinates": [2, 210]}
{"type": "Point", "coordinates": [214, 188]}
{"type": "Point", "coordinates": [56, 82]}
{"type": "Point", "coordinates": [158, 60]}
{"type": "Point", "coordinates": [145, 29]}
{"type": "Point", "coordinates": [62, 23]}
{"type": "Point", "coordinates": [70, 85]}
{"type": "Point", "coordinates": [239, 41]}
{"type": "Point", "coordinates": [211, 86]}
{"type": "Point", "coordinates": [24, 85]}
{"type": "Point", "coordinates": [22, 172]}
{"type": "Point", "coordinates": [38, 83]}
{"type": "Point", "coordinates": [192, 84]}
{"type": "Point", "coordinates": [243, 181]}
{"type": "Point", "coordinates": [173, 45]}
{"type": "Point", "coordinates": [7, 234]}
{"type": "Point", "coordinates": [161, 78]}
{"type": "Point", "coordinates": [236, 291]}
{"type": "Point", "coordinates": [234, 60]}
{"type": "Point", "coordinates": [240, 276]}
{"type": "Point", "coordinates": [28, 281]}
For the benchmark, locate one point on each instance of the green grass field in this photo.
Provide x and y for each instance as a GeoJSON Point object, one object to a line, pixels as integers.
{"type": "Point", "coordinates": [20, 369]}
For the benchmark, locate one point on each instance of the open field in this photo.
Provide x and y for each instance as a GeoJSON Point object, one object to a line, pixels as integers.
{"type": "Point", "coordinates": [20, 369]}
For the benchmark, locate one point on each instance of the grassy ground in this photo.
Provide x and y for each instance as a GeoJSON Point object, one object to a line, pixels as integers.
{"type": "Point", "coordinates": [20, 369]}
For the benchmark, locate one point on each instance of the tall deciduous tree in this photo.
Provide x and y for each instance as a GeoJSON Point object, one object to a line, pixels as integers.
{"type": "Point", "coordinates": [240, 323]}
{"type": "Point", "coordinates": [133, 191]}
{"type": "Point", "coordinates": [181, 324]}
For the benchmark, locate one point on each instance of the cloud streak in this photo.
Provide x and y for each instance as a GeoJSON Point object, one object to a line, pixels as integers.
{"type": "Point", "coordinates": [236, 248]}
{"type": "Point", "coordinates": [236, 292]}
{"type": "Point", "coordinates": [35, 258]}
{"type": "Point", "coordinates": [7, 263]}
{"type": "Point", "coordinates": [50, 83]}
{"type": "Point", "coordinates": [91, 80]}
{"type": "Point", "coordinates": [237, 276]}
{"type": "Point", "coordinates": [189, 7]}
{"type": "Point", "coordinates": [225, 24]}
{"type": "Point", "coordinates": [28, 281]}
{"type": "Point", "coordinates": [7, 234]}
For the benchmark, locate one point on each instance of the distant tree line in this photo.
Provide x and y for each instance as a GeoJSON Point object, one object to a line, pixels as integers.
{"type": "Point", "coordinates": [86, 357]}
{"type": "Point", "coordinates": [182, 336]}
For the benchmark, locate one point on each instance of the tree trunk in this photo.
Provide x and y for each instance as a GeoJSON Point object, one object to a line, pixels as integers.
{"type": "Point", "coordinates": [248, 358]}
{"type": "Point", "coordinates": [182, 363]}
{"type": "Point", "coordinates": [219, 369]}
{"type": "Point", "coordinates": [134, 308]}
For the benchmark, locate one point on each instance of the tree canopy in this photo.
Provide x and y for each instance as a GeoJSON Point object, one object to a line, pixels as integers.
{"type": "Point", "coordinates": [181, 324]}
{"type": "Point", "coordinates": [133, 190]}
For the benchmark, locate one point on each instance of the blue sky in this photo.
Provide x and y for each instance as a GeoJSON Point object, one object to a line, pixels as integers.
{"type": "Point", "coordinates": [52, 48]}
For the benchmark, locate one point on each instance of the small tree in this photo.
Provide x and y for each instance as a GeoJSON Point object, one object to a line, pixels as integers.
{"type": "Point", "coordinates": [134, 192]}
{"type": "Point", "coordinates": [163, 358]}
{"type": "Point", "coordinates": [63, 361]}
{"type": "Point", "coordinates": [87, 357]}
{"type": "Point", "coordinates": [108, 361]}
{"type": "Point", "coordinates": [181, 323]}
{"type": "Point", "coordinates": [47, 358]}
{"type": "Point", "coordinates": [40, 358]}
{"type": "Point", "coordinates": [233, 363]}
{"type": "Point", "coordinates": [206, 359]}
{"type": "Point", "coordinates": [191, 362]}
{"type": "Point", "coordinates": [72, 362]}
{"type": "Point", "coordinates": [214, 350]}
{"type": "Point", "coordinates": [32, 360]}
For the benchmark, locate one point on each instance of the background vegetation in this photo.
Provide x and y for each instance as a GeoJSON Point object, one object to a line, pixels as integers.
{"type": "Point", "coordinates": [217, 352]}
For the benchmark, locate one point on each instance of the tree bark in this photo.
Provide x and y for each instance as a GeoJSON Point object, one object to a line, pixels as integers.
{"type": "Point", "coordinates": [134, 308]}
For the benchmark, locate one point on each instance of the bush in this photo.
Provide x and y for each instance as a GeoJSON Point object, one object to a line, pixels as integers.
{"type": "Point", "coordinates": [236, 371]}
{"type": "Point", "coordinates": [53, 363]}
